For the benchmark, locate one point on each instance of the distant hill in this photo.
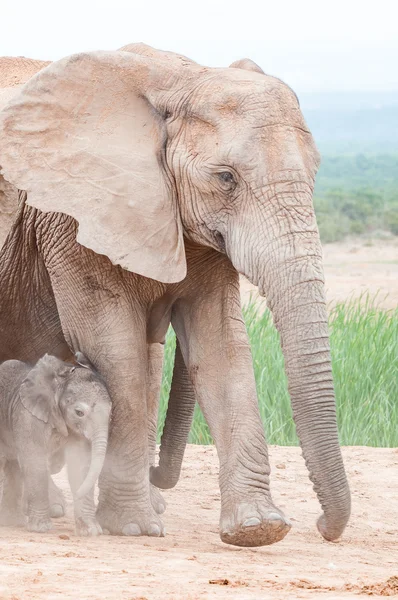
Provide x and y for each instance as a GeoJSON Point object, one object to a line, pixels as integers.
{"type": "Point", "coordinates": [353, 122]}
{"type": "Point", "coordinates": [356, 190]}
{"type": "Point", "coordinates": [351, 172]}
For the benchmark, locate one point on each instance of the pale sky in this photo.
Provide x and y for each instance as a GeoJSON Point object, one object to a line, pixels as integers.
{"type": "Point", "coordinates": [313, 45]}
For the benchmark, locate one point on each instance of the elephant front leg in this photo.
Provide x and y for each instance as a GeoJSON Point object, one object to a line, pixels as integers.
{"type": "Point", "coordinates": [11, 513]}
{"type": "Point", "coordinates": [125, 505]}
{"type": "Point", "coordinates": [78, 458]}
{"type": "Point", "coordinates": [103, 322]}
{"type": "Point", "coordinates": [217, 353]}
{"type": "Point", "coordinates": [57, 500]}
{"type": "Point", "coordinates": [35, 480]}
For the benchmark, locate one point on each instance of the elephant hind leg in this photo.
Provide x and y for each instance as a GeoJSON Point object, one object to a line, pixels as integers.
{"type": "Point", "coordinates": [111, 332]}
{"type": "Point", "coordinates": [57, 500]}
{"type": "Point", "coordinates": [11, 513]}
{"type": "Point", "coordinates": [154, 383]}
{"type": "Point", "coordinates": [177, 425]}
{"type": "Point", "coordinates": [3, 463]}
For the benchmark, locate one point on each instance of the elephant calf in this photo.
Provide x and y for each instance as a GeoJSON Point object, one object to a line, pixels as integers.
{"type": "Point", "coordinates": [47, 411]}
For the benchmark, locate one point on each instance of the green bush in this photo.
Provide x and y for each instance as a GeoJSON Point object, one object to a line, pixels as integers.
{"type": "Point", "coordinates": [332, 229]}
{"type": "Point", "coordinates": [391, 220]}
{"type": "Point", "coordinates": [356, 195]}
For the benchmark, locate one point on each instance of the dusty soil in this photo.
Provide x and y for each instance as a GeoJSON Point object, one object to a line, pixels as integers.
{"type": "Point", "coordinates": [191, 562]}
{"type": "Point", "coordinates": [354, 268]}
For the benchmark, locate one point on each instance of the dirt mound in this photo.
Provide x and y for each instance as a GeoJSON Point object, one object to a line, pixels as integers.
{"type": "Point", "coordinates": [388, 588]}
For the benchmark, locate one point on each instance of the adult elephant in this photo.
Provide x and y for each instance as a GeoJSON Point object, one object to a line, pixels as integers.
{"type": "Point", "coordinates": [154, 182]}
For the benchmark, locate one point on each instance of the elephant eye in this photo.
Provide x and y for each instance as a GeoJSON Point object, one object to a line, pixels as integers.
{"type": "Point", "coordinates": [79, 413]}
{"type": "Point", "coordinates": [227, 180]}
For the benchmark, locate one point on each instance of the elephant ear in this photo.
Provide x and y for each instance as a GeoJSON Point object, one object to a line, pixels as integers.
{"type": "Point", "coordinates": [247, 65]}
{"type": "Point", "coordinates": [83, 139]}
{"type": "Point", "coordinates": [9, 199]}
{"type": "Point", "coordinates": [41, 390]}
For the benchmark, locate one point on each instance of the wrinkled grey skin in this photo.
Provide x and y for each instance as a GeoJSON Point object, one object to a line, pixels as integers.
{"type": "Point", "coordinates": [49, 412]}
{"type": "Point", "coordinates": [238, 158]}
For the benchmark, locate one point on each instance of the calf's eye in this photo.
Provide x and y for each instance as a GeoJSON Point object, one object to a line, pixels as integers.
{"type": "Point", "coordinates": [79, 413]}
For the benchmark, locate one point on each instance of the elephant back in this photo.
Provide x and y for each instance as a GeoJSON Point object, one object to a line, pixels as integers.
{"type": "Point", "coordinates": [15, 71]}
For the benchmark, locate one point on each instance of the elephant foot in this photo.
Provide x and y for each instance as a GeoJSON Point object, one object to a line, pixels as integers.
{"type": "Point", "coordinates": [129, 522]}
{"type": "Point", "coordinates": [254, 525]}
{"type": "Point", "coordinates": [88, 527]}
{"type": "Point", "coordinates": [157, 500]}
{"type": "Point", "coordinates": [39, 524]}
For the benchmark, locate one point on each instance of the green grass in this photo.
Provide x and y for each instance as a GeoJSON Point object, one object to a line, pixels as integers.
{"type": "Point", "coordinates": [364, 344]}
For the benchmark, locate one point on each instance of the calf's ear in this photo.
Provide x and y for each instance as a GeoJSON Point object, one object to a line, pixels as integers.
{"type": "Point", "coordinates": [41, 390]}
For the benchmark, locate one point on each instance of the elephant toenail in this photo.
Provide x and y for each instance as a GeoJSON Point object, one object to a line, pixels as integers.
{"type": "Point", "coordinates": [277, 519]}
{"type": "Point", "coordinates": [252, 522]}
{"type": "Point", "coordinates": [154, 530]}
{"type": "Point", "coordinates": [274, 517]}
{"type": "Point", "coordinates": [131, 529]}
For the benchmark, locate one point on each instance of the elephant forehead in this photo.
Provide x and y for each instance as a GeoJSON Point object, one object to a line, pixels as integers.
{"type": "Point", "coordinates": [256, 99]}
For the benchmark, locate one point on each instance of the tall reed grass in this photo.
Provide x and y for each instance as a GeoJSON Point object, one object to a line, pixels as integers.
{"type": "Point", "coordinates": [364, 346]}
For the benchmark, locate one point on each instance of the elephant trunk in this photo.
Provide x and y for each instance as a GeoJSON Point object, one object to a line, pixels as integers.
{"type": "Point", "coordinates": [295, 294]}
{"type": "Point", "coordinates": [99, 442]}
{"type": "Point", "coordinates": [176, 428]}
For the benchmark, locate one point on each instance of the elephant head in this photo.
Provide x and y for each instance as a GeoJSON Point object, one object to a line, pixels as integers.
{"type": "Point", "coordinates": [143, 148]}
{"type": "Point", "coordinates": [72, 400]}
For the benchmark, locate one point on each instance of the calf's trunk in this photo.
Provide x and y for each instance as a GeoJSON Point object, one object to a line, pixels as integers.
{"type": "Point", "coordinates": [99, 444]}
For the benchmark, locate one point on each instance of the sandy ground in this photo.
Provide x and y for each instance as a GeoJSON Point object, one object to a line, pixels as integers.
{"type": "Point", "coordinates": [354, 268]}
{"type": "Point", "coordinates": [191, 562]}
